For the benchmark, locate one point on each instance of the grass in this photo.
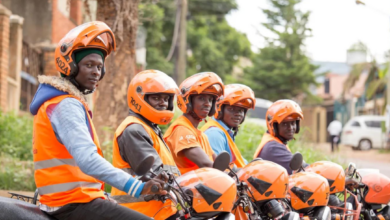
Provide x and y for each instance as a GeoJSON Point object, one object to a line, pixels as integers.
{"type": "Point", "coordinates": [384, 151]}
{"type": "Point", "coordinates": [248, 139]}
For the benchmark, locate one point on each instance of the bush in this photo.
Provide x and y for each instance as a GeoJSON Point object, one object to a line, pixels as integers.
{"type": "Point", "coordinates": [16, 175]}
{"type": "Point", "coordinates": [16, 135]}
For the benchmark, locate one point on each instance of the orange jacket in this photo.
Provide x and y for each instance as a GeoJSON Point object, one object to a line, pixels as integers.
{"type": "Point", "coordinates": [239, 160]}
{"type": "Point", "coordinates": [153, 208]}
{"type": "Point", "coordinates": [265, 139]}
{"type": "Point", "coordinates": [58, 178]}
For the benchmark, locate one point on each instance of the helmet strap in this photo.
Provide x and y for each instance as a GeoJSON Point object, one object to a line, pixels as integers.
{"type": "Point", "coordinates": [84, 91]}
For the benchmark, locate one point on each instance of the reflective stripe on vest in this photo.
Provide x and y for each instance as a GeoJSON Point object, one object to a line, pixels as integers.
{"type": "Point", "coordinates": [58, 178]}
{"type": "Point", "coordinates": [155, 209]}
{"type": "Point", "coordinates": [239, 161]}
{"type": "Point", "coordinates": [62, 187]}
{"type": "Point", "coordinates": [265, 139]}
{"type": "Point", "coordinates": [53, 163]}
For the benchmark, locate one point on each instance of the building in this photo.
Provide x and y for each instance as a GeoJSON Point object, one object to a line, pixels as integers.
{"type": "Point", "coordinates": [29, 32]}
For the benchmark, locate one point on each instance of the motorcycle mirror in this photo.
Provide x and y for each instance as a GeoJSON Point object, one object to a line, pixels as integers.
{"type": "Point", "coordinates": [144, 166]}
{"type": "Point", "coordinates": [222, 161]}
{"type": "Point", "coordinates": [351, 170]}
{"type": "Point", "coordinates": [296, 161]}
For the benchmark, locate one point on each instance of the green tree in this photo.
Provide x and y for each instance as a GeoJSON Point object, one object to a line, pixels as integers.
{"type": "Point", "coordinates": [212, 44]}
{"type": "Point", "coordinates": [281, 69]}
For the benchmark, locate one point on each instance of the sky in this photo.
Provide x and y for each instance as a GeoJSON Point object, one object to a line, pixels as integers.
{"type": "Point", "coordinates": [335, 24]}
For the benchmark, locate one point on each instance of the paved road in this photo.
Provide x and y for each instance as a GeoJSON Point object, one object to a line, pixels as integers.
{"type": "Point", "coordinates": [373, 159]}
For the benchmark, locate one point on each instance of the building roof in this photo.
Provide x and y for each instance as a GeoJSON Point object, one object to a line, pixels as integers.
{"type": "Point", "coordinates": [339, 68]}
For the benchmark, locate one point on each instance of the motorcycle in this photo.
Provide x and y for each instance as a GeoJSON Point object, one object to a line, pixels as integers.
{"type": "Point", "coordinates": [308, 193]}
{"type": "Point", "coordinates": [21, 208]}
{"type": "Point", "coordinates": [261, 185]}
{"type": "Point", "coordinates": [205, 193]}
{"type": "Point", "coordinates": [373, 194]}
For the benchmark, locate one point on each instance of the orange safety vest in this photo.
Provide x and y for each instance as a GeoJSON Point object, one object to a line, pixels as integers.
{"type": "Point", "coordinates": [239, 161]}
{"type": "Point", "coordinates": [58, 178]}
{"type": "Point", "coordinates": [265, 139]}
{"type": "Point", "coordinates": [201, 138]}
{"type": "Point", "coordinates": [153, 208]}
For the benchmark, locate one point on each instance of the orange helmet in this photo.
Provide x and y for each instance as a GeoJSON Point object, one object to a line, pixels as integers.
{"type": "Point", "coordinates": [210, 190]}
{"type": "Point", "coordinates": [151, 82]}
{"type": "Point", "coordinates": [266, 180]}
{"type": "Point", "coordinates": [378, 188]}
{"type": "Point", "coordinates": [95, 34]}
{"type": "Point", "coordinates": [281, 110]}
{"type": "Point", "coordinates": [308, 190]}
{"type": "Point", "coordinates": [200, 83]}
{"type": "Point", "coordinates": [333, 172]}
{"type": "Point", "coordinates": [237, 95]}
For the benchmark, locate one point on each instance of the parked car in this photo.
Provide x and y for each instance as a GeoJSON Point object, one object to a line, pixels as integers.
{"type": "Point", "coordinates": [364, 132]}
{"type": "Point", "coordinates": [257, 115]}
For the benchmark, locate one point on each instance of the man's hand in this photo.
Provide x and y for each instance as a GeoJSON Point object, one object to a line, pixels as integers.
{"type": "Point", "coordinates": [158, 181]}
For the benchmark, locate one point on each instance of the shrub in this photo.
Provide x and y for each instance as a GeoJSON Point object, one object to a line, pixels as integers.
{"type": "Point", "coordinates": [16, 135]}
{"type": "Point", "coordinates": [16, 174]}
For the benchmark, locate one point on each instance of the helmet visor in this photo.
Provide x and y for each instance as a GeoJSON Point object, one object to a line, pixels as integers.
{"type": "Point", "coordinates": [245, 103]}
{"type": "Point", "coordinates": [215, 89]}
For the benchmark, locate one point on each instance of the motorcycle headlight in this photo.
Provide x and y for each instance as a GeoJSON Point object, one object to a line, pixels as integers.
{"type": "Point", "coordinates": [322, 213]}
{"type": "Point", "coordinates": [273, 209]}
{"type": "Point", "coordinates": [291, 216]}
{"type": "Point", "coordinates": [349, 207]}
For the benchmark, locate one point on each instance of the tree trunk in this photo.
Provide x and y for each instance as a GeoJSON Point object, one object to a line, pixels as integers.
{"type": "Point", "coordinates": [111, 98]}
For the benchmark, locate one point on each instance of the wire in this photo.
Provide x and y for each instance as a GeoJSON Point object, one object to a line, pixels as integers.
{"type": "Point", "coordinates": [162, 208]}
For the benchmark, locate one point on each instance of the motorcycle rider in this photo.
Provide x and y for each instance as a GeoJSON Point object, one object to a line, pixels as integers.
{"type": "Point", "coordinates": [283, 121]}
{"type": "Point", "coordinates": [223, 127]}
{"type": "Point", "coordinates": [189, 145]}
{"type": "Point", "coordinates": [70, 170]}
{"type": "Point", "coordinates": [150, 98]}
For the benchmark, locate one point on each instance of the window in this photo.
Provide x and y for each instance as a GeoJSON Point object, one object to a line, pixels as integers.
{"type": "Point", "coordinates": [373, 124]}
{"type": "Point", "coordinates": [355, 124]}
{"type": "Point", "coordinates": [327, 86]}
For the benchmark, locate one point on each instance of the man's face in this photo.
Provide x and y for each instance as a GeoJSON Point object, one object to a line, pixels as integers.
{"type": "Point", "coordinates": [233, 115]}
{"type": "Point", "coordinates": [159, 101]}
{"type": "Point", "coordinates": [201, 104]}
{"type": "Point", "coordinates": [90, 70]}
{"type": "Point", "coordinates": [287, 128]}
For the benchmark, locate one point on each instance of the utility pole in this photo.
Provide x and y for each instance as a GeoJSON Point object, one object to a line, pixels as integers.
{"type": "Point", "coordinates": [181, 44]}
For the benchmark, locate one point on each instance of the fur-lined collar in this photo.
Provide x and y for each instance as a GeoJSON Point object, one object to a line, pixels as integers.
{"type": "Point", "coordinates": [62, 84]}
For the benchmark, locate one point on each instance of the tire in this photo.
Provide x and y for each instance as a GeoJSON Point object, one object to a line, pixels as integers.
{"type": "Point", "coordinates": [365, 144]}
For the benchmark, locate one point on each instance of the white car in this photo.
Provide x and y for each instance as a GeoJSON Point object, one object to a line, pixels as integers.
{"type": "Point", "coordinates": [257, 115]}
{"type": "Point", "coordinates": [364, 132]}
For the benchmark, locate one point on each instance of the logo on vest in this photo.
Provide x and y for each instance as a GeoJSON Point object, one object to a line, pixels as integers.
{"type": "Point", "coordinates": [188, 137]}
{"type": "Point", "coordinates": [135, 104]}
{"type": "Point", "coordinates": [61, 65]}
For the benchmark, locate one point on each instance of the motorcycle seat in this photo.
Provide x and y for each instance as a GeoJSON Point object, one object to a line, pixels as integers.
{"type": "Point", "coordinates": [16, 209]}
